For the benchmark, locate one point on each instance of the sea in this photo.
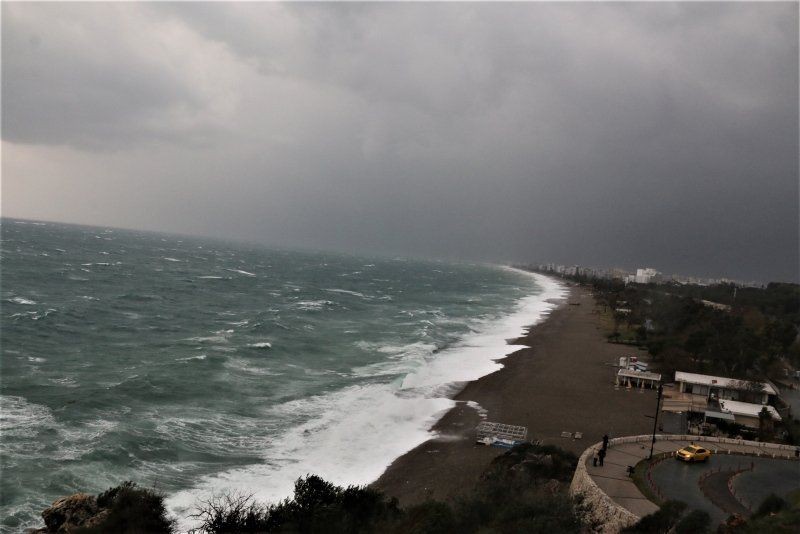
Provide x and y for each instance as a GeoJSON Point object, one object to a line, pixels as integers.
{"type": "Point", "coordinates": [198, 366]}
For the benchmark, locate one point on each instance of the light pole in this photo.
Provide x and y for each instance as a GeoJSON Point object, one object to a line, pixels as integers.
{"type": "Point", "coordinates": [655, 420]}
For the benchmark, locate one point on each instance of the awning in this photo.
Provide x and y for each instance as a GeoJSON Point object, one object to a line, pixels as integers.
{"type": "Point", "coordinates": [720, 415]}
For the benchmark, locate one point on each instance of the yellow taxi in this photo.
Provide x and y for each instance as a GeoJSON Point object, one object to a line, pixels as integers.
{"type": "Point", "coordinates": [693, 453]}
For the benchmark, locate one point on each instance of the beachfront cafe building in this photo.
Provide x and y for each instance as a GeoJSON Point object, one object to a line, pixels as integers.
{"type": "Point", "coordinates": [721, 388]}
{"type": "Point", "coordinates": [718, 398]}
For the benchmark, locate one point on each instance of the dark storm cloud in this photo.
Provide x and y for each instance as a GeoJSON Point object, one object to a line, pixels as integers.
{"type": "Point", "coordinates": [607, 134]}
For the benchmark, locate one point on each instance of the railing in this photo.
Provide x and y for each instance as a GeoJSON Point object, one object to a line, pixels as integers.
{"type": "Point", "coordinates": [773, 447]}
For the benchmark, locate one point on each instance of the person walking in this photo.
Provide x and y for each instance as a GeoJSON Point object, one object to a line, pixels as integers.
{"type": "Point", "coordinates": [605, 441]}
{"type": "Point", "coordinates": [601, 455]}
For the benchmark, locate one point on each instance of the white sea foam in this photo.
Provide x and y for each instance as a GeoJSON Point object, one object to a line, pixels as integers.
{"type": "Point", "coordinates": [34, 315]}
{"type": "Point", "coordinates": [261, 345]}
{"type": "Point", "coordinates": [209, 339]}
{"type": "Point", "coordinates": [313, 305]}
{"type": "Point", "coordinates": [348, 292]}
{"type": "Point", "coordinates": [482, 412]}
{"type": "Point", "coordinates": [81, 439]}
{"type": "Point", "coordinates": [350, 436]}
{"type": "Point", "coordinates": [23, 301]}
{"type": "Point", "coordinates": [170, 259]}
{"type": "Point", "coordinates": [211, 277]}
{"type": "Point", "coordinates": [20, 418]}
{"type": "Point", "coordinates": [240, 272]}
{"type": "Point", "coordinates": [190, 358]}
{"type": "Point", "coordinates": [477, 354]}
{"type": "Point", "coordinates": [66, 381]}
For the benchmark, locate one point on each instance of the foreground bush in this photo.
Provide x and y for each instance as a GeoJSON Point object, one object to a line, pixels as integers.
{"type": "Point", "coordinates": [695, 522]}
{"type": "Point", "coordinates": [523, 490]}
{"type": "Point", "coordinates": [317, 506]}
{"type": "Point", "coordinates": [660, 521]}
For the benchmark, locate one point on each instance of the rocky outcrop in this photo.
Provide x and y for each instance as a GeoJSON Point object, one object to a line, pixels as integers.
{"type": "Point", "coordinates": [124, 508]}
{"type": "Point", "coordinates": [69, 513]}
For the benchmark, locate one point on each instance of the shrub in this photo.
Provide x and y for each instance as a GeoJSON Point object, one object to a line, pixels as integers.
{"type": "Point", "coordinates": [232, 513]}
{"type": "Point", "coordinates": [771, 505]}
{"type": "Point", "coordinates": [660, 521]}
{"type": "Point", "coordinates": [129, 509]}
{"type": "Point", "coordinates": [521, 491]}
{"type": "Point", "coordinates": [317, 506]}
{"type": "Point", "coordinates": [695, 522]}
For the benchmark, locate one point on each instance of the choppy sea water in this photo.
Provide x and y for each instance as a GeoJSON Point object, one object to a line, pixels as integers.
{"type": "Point", "coordinates": [199, 365]}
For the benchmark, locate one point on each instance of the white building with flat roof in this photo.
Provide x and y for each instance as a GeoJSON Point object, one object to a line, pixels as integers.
{"type": "Point", "coordinates": [742, 413]}
{"type": "Point", "coordinates": [720, 398]}
{"type": "Point", "coordinates": [723, 388]}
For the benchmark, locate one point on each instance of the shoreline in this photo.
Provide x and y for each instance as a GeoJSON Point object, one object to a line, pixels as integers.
{"type": "Point", "coordinates": [559, 381]}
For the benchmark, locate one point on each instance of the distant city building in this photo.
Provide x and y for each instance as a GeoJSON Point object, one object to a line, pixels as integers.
{"type": "Point", "coordinates": [647, 275]}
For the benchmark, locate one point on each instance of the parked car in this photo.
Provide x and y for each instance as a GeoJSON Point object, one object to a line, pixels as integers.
{"type": "Point", "coordinates": [693, 453]}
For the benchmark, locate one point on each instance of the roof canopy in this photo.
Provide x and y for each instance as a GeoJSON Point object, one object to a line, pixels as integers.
{"type": "Point", "coordinates": [721, 381]}
{"type": "Point", "coordinates": [747, 409]}
{"type": "Point", "coordinates": [645, 375]}
{"type": "Point", "coordinates": [720, 415]}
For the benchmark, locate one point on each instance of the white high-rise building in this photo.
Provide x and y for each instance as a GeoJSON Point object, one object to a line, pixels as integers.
{"type": "Point", "coordinates": [647, 275]}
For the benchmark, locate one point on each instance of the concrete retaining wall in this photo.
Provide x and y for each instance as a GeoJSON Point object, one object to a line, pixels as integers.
{"type": "Point", "coordinates": [599, 510]}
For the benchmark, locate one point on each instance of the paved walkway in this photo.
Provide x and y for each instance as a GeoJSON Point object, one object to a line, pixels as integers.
{"type": "Point", "coordinates": [613, 477]}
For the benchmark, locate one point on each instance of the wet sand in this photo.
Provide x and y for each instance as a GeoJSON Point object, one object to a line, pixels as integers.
{"type": "Point", "coordinates": [562, 381]}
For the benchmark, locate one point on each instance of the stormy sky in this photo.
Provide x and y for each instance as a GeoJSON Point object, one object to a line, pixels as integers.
{"type": "Point", "coordinates": [612, 134]}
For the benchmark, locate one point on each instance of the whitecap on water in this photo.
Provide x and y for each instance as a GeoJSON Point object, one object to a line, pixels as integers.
{"type": "Point", "coordinates": [20, 418]}
{"type": "Point", "coordinates": [240, 272]}
{"type": "Point", "coordinates": [23, 301]}
{"type": "Point", "coordinates": [348, 292]}
{"type": "Point", "coordinates": [77, 440]}
{"type": "Point", "coordinates": [313, 305]}
{"type": "Point", "coordinates": [190, 358]}
{"type": "Point", "coordinates": [66, 381]}
{"type": "Point", "coordinates": [33, 315]}
{"type": "Point", "coordinates": [260, 345]}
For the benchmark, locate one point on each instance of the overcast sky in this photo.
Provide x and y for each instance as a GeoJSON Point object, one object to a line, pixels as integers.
{"type": "Point", "coordinates": [621, 134]}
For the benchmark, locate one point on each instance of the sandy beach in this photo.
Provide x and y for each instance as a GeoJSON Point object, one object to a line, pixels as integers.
{"type": "Point", "coordinates": [562, 381]}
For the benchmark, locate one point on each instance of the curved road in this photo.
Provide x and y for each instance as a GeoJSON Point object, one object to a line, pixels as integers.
{"type": "Point", "coordinates": [676, 480]}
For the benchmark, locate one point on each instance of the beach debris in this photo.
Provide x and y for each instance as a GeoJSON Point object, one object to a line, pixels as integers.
{"type": "Point", "coordinates": [566, 434]}
{"type": "Point", "coordinates": [577, 435]}
{"type": "Point", "coordinates": [500, 434]}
